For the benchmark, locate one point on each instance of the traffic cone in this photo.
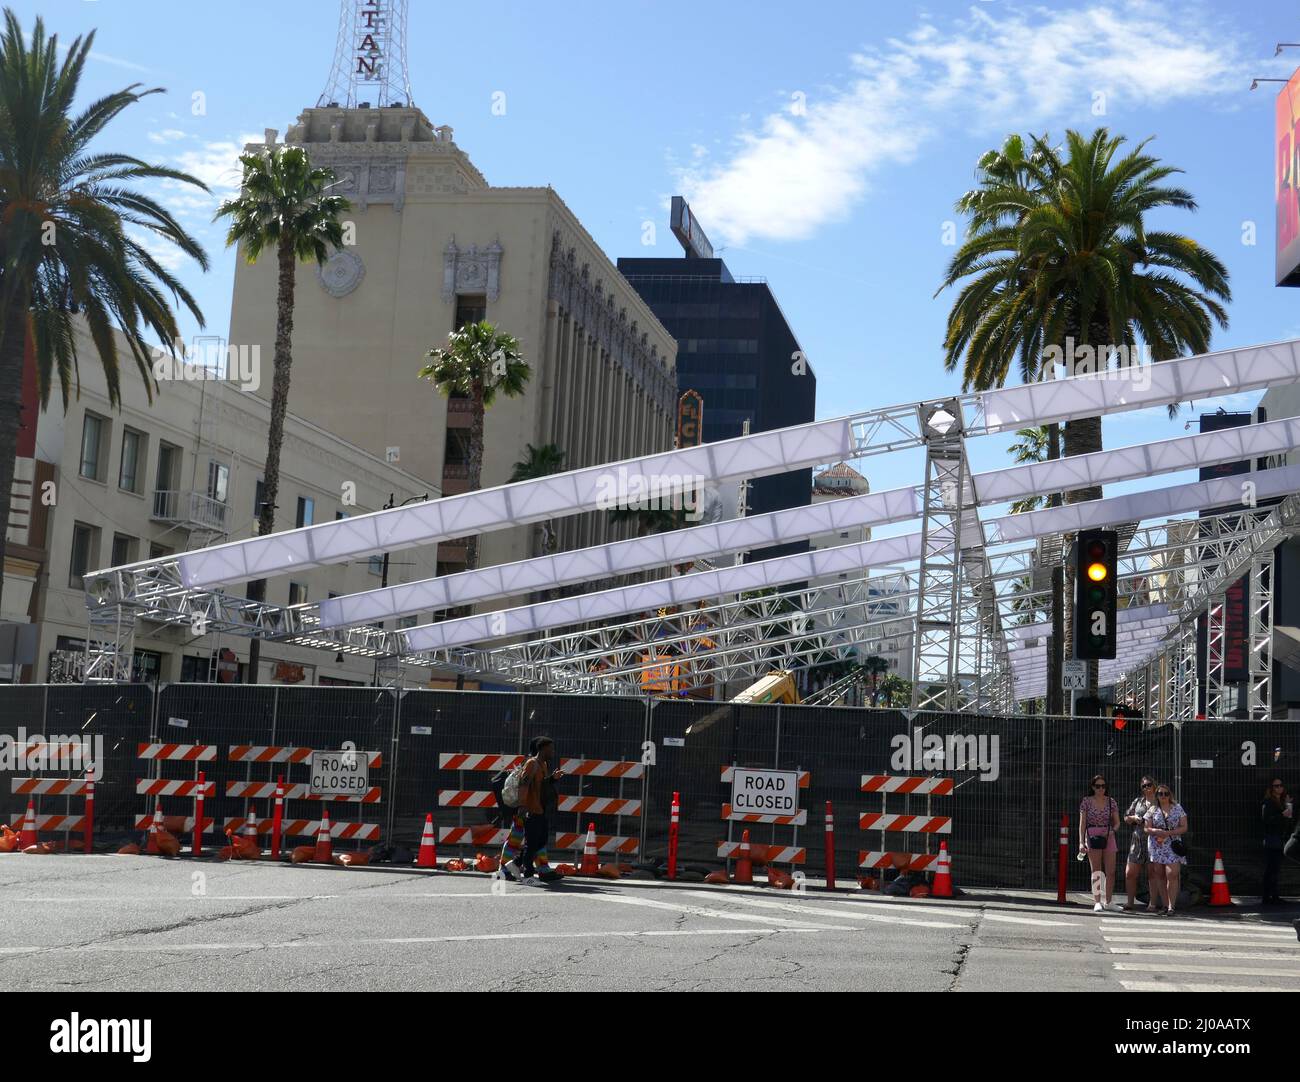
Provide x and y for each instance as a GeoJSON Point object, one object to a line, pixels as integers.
{"type": "Point", "coordinates": [1219, 894]}
{"type": "Point", "coordinates": [151, 845]}
{"type": "Point", "coordinates": [324, 844]}
{"type": "Point", "coordinates": [250, 825]}
{"type": "Point", "coordinates": [590, 863]}
{"type": "Point", "coordinates": [428, 855]}
{"type": "Point", "coordinates": [942, 886]}
{"type": "Point", "coordinates": [744, 866]}
{"type": "Point", "coordinates": [27, 832]}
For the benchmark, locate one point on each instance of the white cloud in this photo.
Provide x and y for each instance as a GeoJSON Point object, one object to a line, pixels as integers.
{"type": "Point", "coordinates": [994, 72]}
{"type": "Point", "coordinates": [216, 163]}
{"type": "Point", "coordinates": [167, 135]}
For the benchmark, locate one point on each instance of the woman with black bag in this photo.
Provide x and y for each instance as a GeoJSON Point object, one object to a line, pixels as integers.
{"type": "Point", "coordinates": [1166, 823]}
{"type": "Point", "coordinates": [1098, 821]}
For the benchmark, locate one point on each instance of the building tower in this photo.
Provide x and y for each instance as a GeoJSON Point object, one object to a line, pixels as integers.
{"type": "Point", "coordinates": [369, 56]}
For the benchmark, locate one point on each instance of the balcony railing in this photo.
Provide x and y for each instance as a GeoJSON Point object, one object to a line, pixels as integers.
{"type": "Point", "coordinates": [193, 510]}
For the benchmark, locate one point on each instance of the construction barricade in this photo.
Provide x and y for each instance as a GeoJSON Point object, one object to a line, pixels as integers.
{"type": "Point", "coordinates": [59, 775]}
{"type": "Point", "coordinates": [582, 804]}
{"type": "Point", "coordinates": [766, 796]}
{"type": "Point", "coordinates": [194, 788]}
{"type": "Point", "coordinates": [903, 860]}
{"type": "Point", "coordinates": [317, 768]}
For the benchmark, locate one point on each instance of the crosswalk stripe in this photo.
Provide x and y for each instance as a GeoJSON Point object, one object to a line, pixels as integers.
{"type": "Point", "coordinates": [1208, 939]}
{"type": "Point", "coordinates": [1001, 919]}
{"type": "Point", "coordinates": [1174, 952]}
{"type": "Point", "coordinates": [1233, 971]}
{"type": "Point", "coordinates": [719, 914]}
{"type": "Point", "coordinates": [1285, 934]}
{"type": "Point", "coordinates": [840, 914]}
{"type": "Point", "coordinates": [1166, 986]}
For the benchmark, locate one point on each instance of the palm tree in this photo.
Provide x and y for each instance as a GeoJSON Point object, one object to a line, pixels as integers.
{"type": "Point", "coordinates": [478, 362]}
{"type": "Point", "coordinates": [1031, 447]}
{"type": "Point", "coordinates": [65, 247]}
{"type": "Point", "coordinates": [1059, 252]}
{"type": "Point", "coordinates": [1058, 255]}
{"type": "Point", "coordinates": [895, 690]}
{"type": "Point", "coordinates": [875, 667]}
{"type": "Point", "coordinates": [540, 462]}
{"type": "Point", "coordinates": [282, 203]}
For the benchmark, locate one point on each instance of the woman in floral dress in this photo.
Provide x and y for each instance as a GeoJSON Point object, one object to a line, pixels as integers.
{"type": "Point", "coordinates": [1166, 823]}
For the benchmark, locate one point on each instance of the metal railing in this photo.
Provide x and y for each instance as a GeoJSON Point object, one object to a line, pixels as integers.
{"type": "Point", "coordinates": [194, 510]}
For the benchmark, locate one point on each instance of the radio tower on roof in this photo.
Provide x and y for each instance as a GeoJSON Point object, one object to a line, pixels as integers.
{"type": "Point", "coordinates": [370, 56]}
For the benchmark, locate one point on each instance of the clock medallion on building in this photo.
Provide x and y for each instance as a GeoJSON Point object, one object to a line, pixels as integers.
{"type": "Point", "coordinates": [341, 274]}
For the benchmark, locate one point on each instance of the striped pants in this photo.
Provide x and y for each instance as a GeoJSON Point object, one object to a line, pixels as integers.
{"type": "Point", "coordinates": [527, 840]}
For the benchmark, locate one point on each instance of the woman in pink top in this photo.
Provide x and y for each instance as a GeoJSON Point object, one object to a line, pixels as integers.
{"type": "Point", "coordinates": [1098, 821]}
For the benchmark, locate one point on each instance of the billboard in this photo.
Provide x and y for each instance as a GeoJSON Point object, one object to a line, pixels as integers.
{"type": "Point", "coordinates": [1287, 183]}
{"type": "Point", "coordinates": [687, 229]}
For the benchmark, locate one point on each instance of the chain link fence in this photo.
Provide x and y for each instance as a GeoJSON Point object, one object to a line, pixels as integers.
{"type": "Point", "coordinates": [1012, 778]}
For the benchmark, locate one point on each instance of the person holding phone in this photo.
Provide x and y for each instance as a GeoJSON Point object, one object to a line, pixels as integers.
{"type": "Point", "coordinates": [1165, 826]}
{"type": "Point", "coordinates": [1098, 821]}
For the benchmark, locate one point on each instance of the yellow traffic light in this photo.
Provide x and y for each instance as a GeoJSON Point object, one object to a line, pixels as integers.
{"type": "Point", "coordinates": [1097, 572]}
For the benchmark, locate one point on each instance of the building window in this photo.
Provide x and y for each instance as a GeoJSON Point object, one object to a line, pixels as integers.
{"type": "Point", "coordinates": [339, 516]}
{"type": "Point", "coordinates": [306, 509]}
{"type": "Point", "coordinates": [407, 621]}
{"type": "Point", "coordinates": [133, 448]}
{"type": "Point", "coordinates": [124, 549]}
{"type": "Point", "coordinates": [471, 309]}
{"type": "Point", "coordinates": [157, 551]}
{"type": "Point", "coordinates": [297, 593]}
{"type": "Point", "coordinates": [218, 481]}
{"type": "Point", "coordinates": [92, 443]}
{"type": "Point", "coordinates": [375, 565]}
{"type": "Point", "coordinates": [85, 552]}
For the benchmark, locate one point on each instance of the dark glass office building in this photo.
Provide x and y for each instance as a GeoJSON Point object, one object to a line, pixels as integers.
{"type": "Point", "coordinates": [736, 349]}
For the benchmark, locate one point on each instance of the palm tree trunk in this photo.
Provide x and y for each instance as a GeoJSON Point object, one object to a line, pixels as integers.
{"type": "Point", "coordinates": [288, 266]}
{"type": "Point", "coordinates": [13, 348]}
{"type": "Point", "coordinates": [475, 463]}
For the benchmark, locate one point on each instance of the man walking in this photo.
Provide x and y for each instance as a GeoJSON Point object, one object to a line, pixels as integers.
{"type": "Point", "coordinates": [525, 854]}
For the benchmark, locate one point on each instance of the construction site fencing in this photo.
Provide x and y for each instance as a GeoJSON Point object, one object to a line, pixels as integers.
{"type": "Point", "coordinates": [995, 788]}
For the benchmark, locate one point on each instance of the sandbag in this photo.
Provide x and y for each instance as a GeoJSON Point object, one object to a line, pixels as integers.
{"type": "Point", "coordinates": [920, 891]}
{"type": "Point", "coordinates": [779, 879]}
{"type": "Point", "coordinates": [303, 854]}
{"type": "Point", "coordinates": [40, 849]}
{"type": "Point", "coordinates": [609, 871]}
{"type": "Point", "coordinates": [168, 844]}
{"type": "Point", "coordinates": [717, 877]}
{"type": "Point", "coordinates": [566, 869]}
{"type": "Point", "coordinates": [456, 864]}
{"type": "Point", "coordinates": [129, 850]}
{"type": "Point", "coordinates": [8, 841]}
{"type": "Point", "coordinates": [352, 860]}
{"type": "Point", "coordinates": [485, 863]}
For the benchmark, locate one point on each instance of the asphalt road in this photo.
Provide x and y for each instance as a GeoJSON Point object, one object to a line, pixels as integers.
{"type": "Point", "coordinates": [139, 923]}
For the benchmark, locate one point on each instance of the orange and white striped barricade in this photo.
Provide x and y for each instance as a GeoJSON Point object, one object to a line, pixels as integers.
{"type": "Point", "coordinates": [277, 792]}
{"type": "Point", "coordinates": [908, 786]}
{"type": "Point", "coordinates": [764, 795]}
{"type": "Point", "coordinates": [61, 776]}
{"type": "Point", "coordinates": [155, 787]}
{"type": "Point", "coordinates": [581, 804]}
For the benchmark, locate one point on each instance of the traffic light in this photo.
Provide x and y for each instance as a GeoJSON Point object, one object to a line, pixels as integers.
{"type": "Point", "coordinates": [1095, 582]}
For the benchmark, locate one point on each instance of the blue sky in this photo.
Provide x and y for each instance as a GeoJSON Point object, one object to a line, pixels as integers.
{"type": "Point", "coordinates": [822, 145]}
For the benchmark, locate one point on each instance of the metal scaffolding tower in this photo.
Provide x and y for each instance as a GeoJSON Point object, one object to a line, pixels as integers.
{"type": "Point", "coordinates": [369, 66]}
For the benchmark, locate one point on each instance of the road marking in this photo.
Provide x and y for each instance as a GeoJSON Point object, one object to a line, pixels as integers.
{"type": "Point", "coordinates": [1168, 986]}
{"type": "Point", "coordinates": [999, 918]}
{"type": "Point", "coordinates": [703, 911]}
{"type": "Point", "coordinates": [1199, 929]}
{"type": "Point", "coordinates": [1234, 971]}
{"type": "Point", "coordinates": [164, 948]}
{"type": "Point", "coordinates": [1208, 939]}
{"type": "Point", "coordinates": [796, 907]}
{"type": "Point", "coordinates": [1174, 952]}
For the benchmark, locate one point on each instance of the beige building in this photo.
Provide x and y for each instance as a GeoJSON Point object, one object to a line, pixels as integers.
{"type": "Point", "coordinates": [107, 487]}
{"type": "Point", "coordinates": [434, 247]}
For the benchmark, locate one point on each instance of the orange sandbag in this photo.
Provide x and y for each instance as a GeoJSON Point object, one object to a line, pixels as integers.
{"type": "Point", "coordinates": [758, 855]}
{"type": "Point", "coordinates": [566, 869]}
{"type": "Point", "coordinates": [174, 823]}
{"type": "Point", "coordinates": [626, 869]}
{"type": "Point", "coordinates": [129, 850]}
{"type": "Point", "coordinates": [8, 840]}
{"type": "Point", "coordinates": [456, 864]}
{"type": "Point", "coordinates": [868, 883]}
{"type": "Point", "coordinates": [40, 849]}
{"type": "Point", "coordinates": [55, 847]}
{"type": "Point", "coordinates": [919, 891]}
{"type": "Point", "coordinates": [779, 879]}
{"type": "Point", "coordinates": [303, 854]}
{"type": "Point", "coordinates": [226, 852]}
{"type": "Point", "coordinates": [609, 871]}
{"type": "Point", "coordinates": [485, 863]}
{"type": "Point", "coordinates": [352, 860]}
{"type": "Point", "coordinates": [168, 844]}
{"type": "Point", "coordinates": [717, 877]}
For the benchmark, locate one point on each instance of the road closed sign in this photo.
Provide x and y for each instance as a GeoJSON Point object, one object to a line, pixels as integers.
{"type": "Point", "coordinates": [770, 792]}
{"type": "Point", "coordinates": [339, 773]}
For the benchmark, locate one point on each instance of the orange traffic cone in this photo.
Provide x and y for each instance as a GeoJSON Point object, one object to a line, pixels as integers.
{"type": "Point", "coordinates": [428, 855]}
{"type": "Point", "coordinates": [324, 844]}
{"type": "Point", "coordinates": [27, 832]}
{"type": "Point", "coordinates": [590, 863]}
{"type": "Point", "coordinates": [151, 845]}
{"type": "Point", "coordinates": [1219, 894]}
{"type": "Point", "coordinates": [744, 866]}
{"type": "Point", "coordinates": [942, 886]}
